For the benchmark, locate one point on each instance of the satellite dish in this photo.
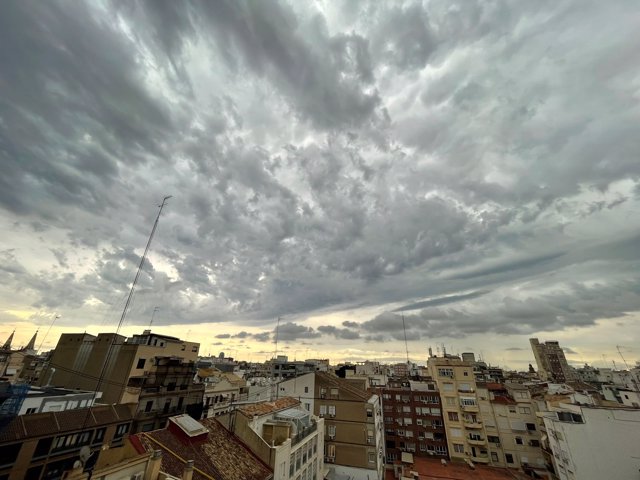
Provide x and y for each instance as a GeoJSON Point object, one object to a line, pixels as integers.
{"type": "Point", "coordinates": [85, 453]}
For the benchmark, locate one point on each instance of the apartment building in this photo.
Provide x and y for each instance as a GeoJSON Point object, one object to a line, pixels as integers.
{"type": "Point", "coordinates": [78, 360]}
{"type": "Point", "coordinates": [508, 415]}
{"type": "Point", "coordinates": [552, 364]}
{"type": "Point", "coordinates": [221, 390]}
{"type": "Point", "coordinates": [412, 418]}
{"type": "Point", "coordinates": [353, 440]}
{"type": "Point", "coordinates": [591, 443]}
{"type": "Point", "coordinates": [466, 440]}
{"type": "Point", "coordinates": [40, 399]}
{"type": "Point", "coordinates": [44, 445]}
{"type": "Point", "coordinates": [283, 435]}
{"type": "Point", "coordinates": [166, 389]}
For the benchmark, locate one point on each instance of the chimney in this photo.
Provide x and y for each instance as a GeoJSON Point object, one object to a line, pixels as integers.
{"type": "Point", "coordinates": [152, 472]}
{"type": "Point", "coordinates": [187, 473]}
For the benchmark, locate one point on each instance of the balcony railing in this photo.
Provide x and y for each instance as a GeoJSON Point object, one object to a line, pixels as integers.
{"type": "Point", "coordinates": [304, 433]}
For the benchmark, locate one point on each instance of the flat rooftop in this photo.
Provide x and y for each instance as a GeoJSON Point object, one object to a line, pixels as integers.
{"type": "Point", "coordinates": [432, 469]}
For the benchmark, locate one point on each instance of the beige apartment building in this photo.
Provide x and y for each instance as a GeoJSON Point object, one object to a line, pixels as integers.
{"type": "Point", "coordinates": [466, 439]}
{"type": "Point", "coordinates": [78, 360]}
{"type": "Point", "coordinates": [508, 415]}
{"type": "Point", "coordinates": [353, 439]}
{"type": "Point", "coordinates": [552, 364]}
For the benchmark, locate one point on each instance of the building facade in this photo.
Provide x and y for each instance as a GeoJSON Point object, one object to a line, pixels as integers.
{"type": "Point", "coordinates": [412, 419]}
{"type": "Point", "coordinates": [44, 445]}
{"type": "Point", "coordinates": [552, 364]}
{"type": "Point", "coordinates": [284, 435]}
{"type": "Point", "coordinates": [79, 358]}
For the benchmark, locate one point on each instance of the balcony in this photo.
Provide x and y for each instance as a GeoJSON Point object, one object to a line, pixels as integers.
{"type": "Point", "coordinates": [471, 424]}
{"type": "Point", "coordinates": [469, 408]}
{"type": "Point", "coordinates": [480, 459]}
{"type": "Point", "coordinates": [476, 441]}
{"type": "Point", "coordinates": [298, 437]}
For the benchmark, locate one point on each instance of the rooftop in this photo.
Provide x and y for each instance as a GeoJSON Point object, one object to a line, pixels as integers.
{"type": "Point", "coordinates": [433, 469]}
{"type": "Point", "coordinates": [50, 423]}
{"type": "Point", "coordinates": [220, 455]}
{"type": "Point", "coordinates": [340, 383]}
{"type": "Point", "coordinates": [265, 408]}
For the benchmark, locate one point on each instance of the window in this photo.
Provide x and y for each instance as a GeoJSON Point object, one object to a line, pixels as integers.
{"type": "Point", "coordinates": [194, 349]}
{"type": "Point", "coordinates": [121, 430]}
{"type": "Point", "coordinates": [524, 410]}
{"type": "Point", "coordinates": [475, 436]}
{"type": "Point", "coordinates": [141, 362]}
{"type": "Point", "coordinates": [43, 447]}
{"type": "Point", "coordinates": [447, 387]}
{"type": "Point", "coordinates": [467, 402]}
{"type": "Point", "coordinates": [445, 372]}
{"type": "Point", "coordinates": [149, 406]}
{"type": "Point", "coordinates": [323, 410]}
{"type": "Point", "coordinates": [9, 453]}
{"type": "Point", "coordinates": [531, 427]}
{"type": "Point", "coordinates": [369, 436]}
{"type": "Point", "coordinates": [494, 456]}
{"type": "Point", "coordinates": [372, 457]}
{"type": "Point", "coordinates": [453, 416]}
{"type": "Point", "coordinates": [323, 392]}
{"type": "Point", "coordinates": [419, 422]}
{"type": "Point", "coordinates": [493, 439]}
{"type": "Point", "coordinates": [307, 406]}
{"type": "Point", "coordinates": [458, 448]}
{"type": "Point", "coordinates": [450, 401]}
{"type": "Point", "coordinates": [464, 387]}
{"type": "Point", "coordinates": [306, 389]}
{"type": "Point", "coordinates": [518, 440]}
{"type": "Point", "coordinates": [332, 410]}
{"type": "Point", "coordinates": [369, 413]}
{"type": "Point", "coordinates": [334, 392]}
{"type": "Point", "coordinates": [31, 410]}
{"type": "Point", "coordinates": [331, 431]}
{"type": "Point", "coordinates": [331, 451]}
{"type": "Point", "coordinates": [465, 373]}
{"type": "Point", "coordinates": [508, 457]}
{"type": "Point", "coordinates": [99, 435]}
{"type": "Point", "coordinates": [407, 421]}
{"type": "Point", "coordinates": [512, 409]}
{"type": "Point", "coordinates": [455, 432]}
{"type": "Point", "coordinates": [534, 443]}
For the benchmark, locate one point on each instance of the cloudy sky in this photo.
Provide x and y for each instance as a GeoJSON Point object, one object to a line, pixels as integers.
{"type": "Point", "coordinates": [472, 166]}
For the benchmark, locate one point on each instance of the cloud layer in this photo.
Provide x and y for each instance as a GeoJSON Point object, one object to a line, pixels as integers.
{"type": "Point", "coordinates": [472, 166]}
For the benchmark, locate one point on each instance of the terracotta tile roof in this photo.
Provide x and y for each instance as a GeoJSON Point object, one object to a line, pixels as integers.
{"type": "Point", "coordinates": [220, 456]}
{"type": "Point", "coordinates": [265, 408]}
{"type": "Point", "coordinates": [51, 423]}
{"type": "Point", "coordinates": [495, 386]}
{"type": "Point", "coordinates": [332, 380]}
{"type": "Point", "coordinates": [503, 400]}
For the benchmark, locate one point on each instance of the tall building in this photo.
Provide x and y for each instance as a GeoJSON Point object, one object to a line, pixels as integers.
{"type": "Point", "coordinates": [412, 419]}
{"type": "Point", "coordinates": [353, 440]}
{"type": "Point", "coordinates": [79, 360]}
{"type": "Point", "coordinates": [508, 415]}
{"type": "Point", "coordinates": [466, 439]}
{"type": "Point", "coordinates": [552, 364]}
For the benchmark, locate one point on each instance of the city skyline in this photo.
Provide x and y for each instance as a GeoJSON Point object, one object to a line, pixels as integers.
{"type": "Point", "coordinates": [468, 169]}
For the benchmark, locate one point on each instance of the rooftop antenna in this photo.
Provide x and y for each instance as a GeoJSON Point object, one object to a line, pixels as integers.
{"type": "Point", "coordinates": [107, 359]}
{"type": "Point", "coordinates": [275, 354]}
{"type": "Point", "coordinates": [620, 353]}
{"type": "Point", "coordinates": [155, 310]}
{"type": "Point", "coordinates": [47, 333]}
{"type": "Point", "coordinates": [406, 345]}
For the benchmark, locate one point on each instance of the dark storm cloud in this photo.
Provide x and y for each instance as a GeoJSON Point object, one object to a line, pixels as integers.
{"type": "Point", "coordinates": [223, 335]}
{"type": "Point", "coordinates": [514, 349]}
{"type": "Point", "coordinates": [378, 154]}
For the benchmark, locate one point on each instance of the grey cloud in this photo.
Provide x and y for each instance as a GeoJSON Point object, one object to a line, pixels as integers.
{"type": "Point", "coordinates": [441, 301]}
{"type": "Point", "coordinates": [288, 332]}
{"type": "Point", "coordinates": [343, 333]}
{"type": "Point", "coordinates": [570, 351]}
{"type": "Point", "coordinates": [350, 324]}
{"type": "Point", "coordinates": [514, 349]}
{"type": "Point", "coordinates": [262, 337]}
{"type": "Point", "coordinates": [223, 335]}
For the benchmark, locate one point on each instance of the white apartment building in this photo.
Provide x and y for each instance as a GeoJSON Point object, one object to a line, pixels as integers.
{"type": "Point", "coordinates": [592, 443]}
{"type": "Point", "coordinates": [283, 435]}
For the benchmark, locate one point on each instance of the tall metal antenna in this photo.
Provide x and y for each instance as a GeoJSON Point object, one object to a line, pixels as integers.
{"type": "Point", "coordinates": [155, 310]}
{"type": "Point", "coordinates": [406, 345]}
{"type": "Point", "coordinates": [275, 354]}
{"type": "Point", "coordinates": [620, 353]}
{"type": "Point", "coordinates": [107, 359]}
